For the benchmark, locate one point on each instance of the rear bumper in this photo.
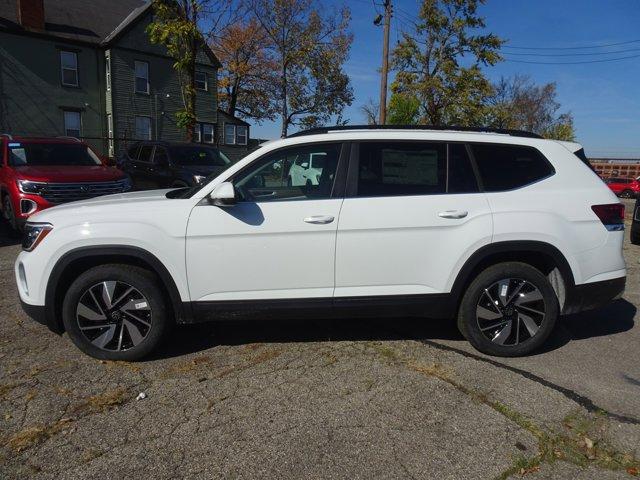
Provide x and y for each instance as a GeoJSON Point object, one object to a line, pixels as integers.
{"type": "Point", "coordinates": [593, 295]}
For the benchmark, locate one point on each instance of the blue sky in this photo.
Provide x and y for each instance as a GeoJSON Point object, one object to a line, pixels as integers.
{"type": "Point", "coordinates": [603, 97]}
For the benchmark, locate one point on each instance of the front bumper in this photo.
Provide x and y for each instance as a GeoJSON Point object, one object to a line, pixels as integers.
{"type": "Point", "coordinates": [593, 295]}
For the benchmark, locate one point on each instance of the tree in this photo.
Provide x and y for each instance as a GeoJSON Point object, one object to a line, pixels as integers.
{"type": "Point", "coordinates": [371, 112]}
{"type": "Point", "coordinates": [440, 63]}
{"type": "Point", "coordinates": [309, 44]}
{"type": "Point", "coordinates": [519, 103]}
{"type": "Point", "coordinates": [404, 109]}
{"type": "Point", "coordinates": [246, 79]}
{"type": "Point", "coordinates": [175, 25]}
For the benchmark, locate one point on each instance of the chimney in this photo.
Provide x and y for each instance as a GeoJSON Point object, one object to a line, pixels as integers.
{"type": "Point", "coordinates": [31, 14]}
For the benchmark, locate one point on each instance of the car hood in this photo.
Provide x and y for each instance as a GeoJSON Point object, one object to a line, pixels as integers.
{"type": "Point", "coordinates": [68, 173]}
{"type": "Point", "coordinates": [120, 204]}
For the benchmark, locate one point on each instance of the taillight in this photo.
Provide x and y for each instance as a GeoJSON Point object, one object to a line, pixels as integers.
{"type": "Point", "coordinates": [611, 215]}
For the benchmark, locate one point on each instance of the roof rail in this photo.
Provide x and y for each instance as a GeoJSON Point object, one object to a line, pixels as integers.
{"type": "Point", "coordinates": [70, 138]}
{"type": "Point", "coordinates": [8, 135]}
{"type": "Point", "coordinates": [502, 131]}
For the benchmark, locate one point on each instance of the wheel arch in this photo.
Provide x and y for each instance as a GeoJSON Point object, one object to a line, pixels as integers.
{"type": "Point", "coordinates": [541, 255]}
{"type": "Point", "coordinates": [76, 261]}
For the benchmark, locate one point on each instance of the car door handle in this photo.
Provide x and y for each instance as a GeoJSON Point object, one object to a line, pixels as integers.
{"type": "Point", "coordinates": [319, 219]}
{"type": "Point", "coordinates": [453, 214]}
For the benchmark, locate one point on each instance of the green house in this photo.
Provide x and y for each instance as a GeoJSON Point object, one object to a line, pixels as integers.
{"type": "Point", "coordinates": [88, 70]}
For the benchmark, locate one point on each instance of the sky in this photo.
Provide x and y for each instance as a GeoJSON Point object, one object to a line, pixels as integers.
{"type": "Point", "coordinates": [604, 97]}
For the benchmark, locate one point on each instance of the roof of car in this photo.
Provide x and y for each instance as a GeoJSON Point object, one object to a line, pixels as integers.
{"type": "Point", "coordinates": [27, 139]}
{"type": "Point", "coordinates": [414, 128]}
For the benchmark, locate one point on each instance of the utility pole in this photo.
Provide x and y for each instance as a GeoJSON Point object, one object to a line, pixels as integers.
{"type": "Point", "coordinates": [385, 62]}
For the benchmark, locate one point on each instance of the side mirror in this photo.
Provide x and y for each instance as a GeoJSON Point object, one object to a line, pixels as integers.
{"type": "Point", "coordinates": [224, 195]}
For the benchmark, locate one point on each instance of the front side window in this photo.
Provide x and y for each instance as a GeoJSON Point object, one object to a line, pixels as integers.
{"type": "Point", "coordinates": [52, 154]}
{"type": "Point", "coordinates": [392, 169]}
{"type": "Point", "coordinates": [133, 151]}
{"type": "Point", "coordinates": [145, 153]}
{"type": "Point", "coordinates": [160, 156]}
{"type": "Point", "coordinates": [143, 128]}
{"type": "Point", "coordinates": [280, 175]}
{"type": "Point", "coordinates": [72, 124]}
{"type": "Point", "coordinates": [201, 81]}
{"type": "Point", "coordinates": [229, 134]}
{"type": "Point", "coordinates": [142, 77]}
{"type": "Point", "coordinates": [505, 167]}
{"type": "Point", "coordinates": [69, 68]}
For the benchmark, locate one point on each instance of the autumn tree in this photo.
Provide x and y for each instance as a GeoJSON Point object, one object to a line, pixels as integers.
{"type": "Point", "coordinates": [246, 79]}
{"type": "Point", "coordinates": [308, 44]}
{"type": "Point", "coordinates": [519, 103]}
{"type": "Point", "coordinates": [439, 64]}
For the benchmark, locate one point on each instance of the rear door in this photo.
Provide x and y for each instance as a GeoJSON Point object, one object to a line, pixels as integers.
{"type": "Point", "coordinates": [142, 167]}
{"type": "Point", "coordinates": [413, 214]}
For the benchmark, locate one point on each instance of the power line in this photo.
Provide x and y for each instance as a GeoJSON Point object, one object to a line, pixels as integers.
{"type": "Point", "coordinates": [573, 48]}
{"type": "Point", "coordinates": [616, 52]}
{"type": "Point", "coordinates": [573, 63]}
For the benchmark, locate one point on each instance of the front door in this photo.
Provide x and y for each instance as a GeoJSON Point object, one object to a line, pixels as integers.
{"type": "Point", "coordinates": [412, 215]}
{"type": "Point", "coordinates": [277, 241]}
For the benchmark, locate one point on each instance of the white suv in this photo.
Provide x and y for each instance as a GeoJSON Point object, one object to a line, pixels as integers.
{"type": "Point", "coordinates": [502, 230]}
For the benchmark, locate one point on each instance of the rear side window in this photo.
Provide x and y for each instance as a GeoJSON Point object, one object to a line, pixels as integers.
{"type": "Point", "coordinates": [505, 167]}
{"type": "Point", "coordinates": [133, 151]}
{"type": "Point", "coordinates": [145, 153]}
{"type": "Point", "coordinates": [460, 175]}
{"type": "Point", "coordinates": [392, 169]}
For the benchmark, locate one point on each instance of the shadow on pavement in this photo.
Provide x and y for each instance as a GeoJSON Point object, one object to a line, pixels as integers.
{"type": "Point", "coordinates": [8, 237]}
{"type": "Point", "coordinates": [614, 318]}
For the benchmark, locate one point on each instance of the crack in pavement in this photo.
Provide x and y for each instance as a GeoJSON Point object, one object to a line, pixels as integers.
{"type": "Point", "coordinates": [581, 400]}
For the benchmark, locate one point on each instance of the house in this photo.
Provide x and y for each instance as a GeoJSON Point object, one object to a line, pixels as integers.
{"type": "Point", "coordinates": [616, 167]}
{"type": "Point", "coordinates": [87, 69]}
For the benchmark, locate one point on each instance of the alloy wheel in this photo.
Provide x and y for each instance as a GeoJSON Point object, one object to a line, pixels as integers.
{"type": "Point", "coordinates": [510, 311]}
{"type": "Point", "coordinates": [113, 315]}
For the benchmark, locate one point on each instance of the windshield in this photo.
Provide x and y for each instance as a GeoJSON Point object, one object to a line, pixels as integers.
{"type": "Point", "coordinates": [51, 154]}
{"type": "Point", "coordinates": [196, 155]}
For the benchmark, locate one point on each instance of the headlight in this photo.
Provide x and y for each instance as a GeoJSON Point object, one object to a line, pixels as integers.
{"type": "Point", "coordinates": [199, 179]}
{"type": "Point", "coordinates": [26, 186]}
{"type": "Point", "coordinates": [34, 233]}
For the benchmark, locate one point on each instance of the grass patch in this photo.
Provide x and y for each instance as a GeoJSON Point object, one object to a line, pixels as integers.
{"type": "Point", "coordinates": [35, 434]}
{"type": "Point", "coordinates": [102, 402]}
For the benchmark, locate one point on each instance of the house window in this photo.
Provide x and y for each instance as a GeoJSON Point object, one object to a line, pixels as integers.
{"type": "Point", "coordinates": [142, 77]}
{"type": "Point", "coordinates": [201, 81]}
{"type": "Point", "coordinates": [241, 134]}
{"type": "Point", "coordinates": [72, 123]}
{"type": "Point", "coordinates": [207, 133]}
{"type": "Point", "coordinates": [197, 133]}
{"type": "Point", "coordinates": [143, 128]}
{"type": "Point", "coordinates": [229, 134]}
{"type": "Point", "coordinates": [69, 68]}
{"type": "Point", "coordinates": [107, 67]}
{"type": "Point", "coordinates": [110, 134]}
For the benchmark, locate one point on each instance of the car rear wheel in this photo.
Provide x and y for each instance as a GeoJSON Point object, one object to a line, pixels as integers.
{"type": "Point", "coordinates": [626, 194]}
{"type": "Point", "coordinates": [509, 310]}
{"type": "Point", "coordinates": [116, 312]}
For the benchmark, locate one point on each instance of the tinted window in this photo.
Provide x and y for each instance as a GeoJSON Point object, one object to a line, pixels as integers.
{"type": "Point", "coordinates": [390, 169]}
{"type": "Point", "coordinates": [51, 154]}
{"type": "Point", "coordinates": [281, 176]}
{"type": "Point", "coordinates": [505, 167]}
{"type": "Point", "coordinates": [145, 153]}
{"type": "Point", "coordinates": [460, 175]}
{"type": "Point", "coordinates": [133, 152]}
{"type": "Point", "coordinates": [160, 156]}
{"type": "Point", "coordinates": [196, 155]}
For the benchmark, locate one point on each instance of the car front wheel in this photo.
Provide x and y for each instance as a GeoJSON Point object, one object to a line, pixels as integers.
{"type": "Point", "coordinates": [116, 312]}
{"type": "Point", "coordinates": [509, 310]}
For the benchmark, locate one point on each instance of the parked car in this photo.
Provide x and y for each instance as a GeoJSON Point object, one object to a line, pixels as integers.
{"type": "Point", "coordinates": [502, 231]}
{"type": "Point", "coordinates": [307, 169]}
{"type": "Point", "coordinates": [38, 173]}
{"type": "Point", "coordinates": [635, 224]}
{"type": "Point", "coordinates": [165, 164]}
{"type": "Point", "coordinates": [624, 187]}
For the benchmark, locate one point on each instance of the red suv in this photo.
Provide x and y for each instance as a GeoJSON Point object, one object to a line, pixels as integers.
{"type": "Point", "coordinates": [624, 187]}
{"type": "Point", "coordinates": [37, 173]}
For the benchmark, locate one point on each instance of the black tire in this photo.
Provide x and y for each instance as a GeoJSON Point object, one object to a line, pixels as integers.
{"type": "Point", "coordinates": [146, 284]}
{"type": "Point", "coordinates": [9, 214]}
{"type": "Point", "coordinates": [528, 279]}
{"type": "Point", "coordinates": [627, 194]}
